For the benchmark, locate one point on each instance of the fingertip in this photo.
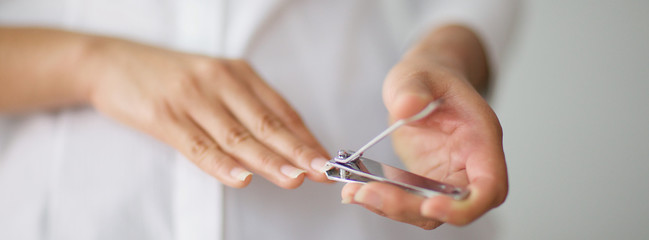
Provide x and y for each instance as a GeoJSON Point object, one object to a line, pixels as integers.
{"type": "Point", "coordinates": [292, 182]}
{"type": "Point", "coordinates": [317, 170]}
{"type": "Point", "coordinates": [459, 212]}
{"type": "Point", "coordinates": [291, 172]}
{"type": "Point", "coordinates": [237, 177]}
{"type": "Point", "coordinates": [240, 184]}
{"type": "Point", "coordinates": [240, 174]}
{"type": "Point", "coordinates": [485, 193]}
{"type": "Point", "coordinates": [408, 98]}
{"type": "Point", "coordinates": [319, 165]}
{"type": "Point", "coordinates": [318, 176]}
{"type": "Point", "coordinates": [349, 191]}
{"type": "Point", "coordinates": [437, 208]}
{"type": "Point", "coordinates": [368, 196]}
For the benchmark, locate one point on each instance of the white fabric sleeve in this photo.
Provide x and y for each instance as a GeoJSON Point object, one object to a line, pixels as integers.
{"type": "Point", "coordinates": [492, 20]}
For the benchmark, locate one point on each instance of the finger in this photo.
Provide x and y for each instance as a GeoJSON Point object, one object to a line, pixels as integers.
{"type": "Point", "coordinates": [269, 129]}
{"type": "Point", "coordinates": [394, 203]}
{"type": "Point", "coordinates": [278, 105]}
{"type": "Point", "coordinates": [405, 95]}
{"type": "Point", "coordinates": [481, 199]}
{"type": "Point", "coordinates": [237, 141]}
{"type": "Point", "coordinates": [348, 192]}
{"type": "Point", "coordinates": [184, 135]}
{"type": "Point", "coordinates": [487, 177]}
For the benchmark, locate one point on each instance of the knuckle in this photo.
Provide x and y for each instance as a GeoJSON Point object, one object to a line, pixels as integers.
{"type": "Point", "coordinates": [266, 161]}
{"type": "Point", "coordinates": [268, 124]}
{"type": "Point", "coordinates": [240, 65]}
{"type": "Point", "coordinates": [301, 151]}
{"type": "Point", "coordinates": [218, 70]}
{"type": "Point", "coordinates": [210, 67]}
{"type": "Point", "coordinates": [418, 75]}
{"type": "Point", "coordinates": [199, 148]}
{"type": "Point", "coordinates": [240, 62]}
{"type": "Point", "coordinates": [186, 86]}
{"type": "Point", "coordinates": [236, 135]}
{"type": "Point", "coordinates": [217, 166]}
{"type": "Point", "coordinates": [156, 113]}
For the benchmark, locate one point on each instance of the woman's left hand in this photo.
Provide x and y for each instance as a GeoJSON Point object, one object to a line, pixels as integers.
{"type": "Point", "coordinates": [459, 143]}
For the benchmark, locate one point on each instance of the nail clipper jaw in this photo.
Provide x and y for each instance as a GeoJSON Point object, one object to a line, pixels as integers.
{"type": "Point", "coordinates": [336, 171]}
{"type": "Point", "coordinates": [339, 174]}
{"type": "Point", "coordinates": [330, 169]}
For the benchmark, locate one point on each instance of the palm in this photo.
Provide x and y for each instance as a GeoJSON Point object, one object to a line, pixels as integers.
{"type": "Point", "coordinates": [437, 148]}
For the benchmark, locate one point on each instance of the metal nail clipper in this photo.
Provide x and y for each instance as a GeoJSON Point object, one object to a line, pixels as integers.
{"type": "Point", "coordinates": [349, 166]}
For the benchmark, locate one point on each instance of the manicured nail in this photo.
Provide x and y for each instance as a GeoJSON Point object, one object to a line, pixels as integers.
{"type": "Point", "coordinates": [318, 164]}
{"type": "Point", "coordinates": [291, 171]}
{"type": "Point", "coordinates": [325, 168]}
{"type": "Point", "coordinates": [369, 198]}
{"type": "Point", "coordinates": [346, 200]}
{"type": "Point", "coordinates": [240, 174]}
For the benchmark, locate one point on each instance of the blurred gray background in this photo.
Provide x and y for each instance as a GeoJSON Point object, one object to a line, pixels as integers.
{"type": "Point", "coordinates": [574, 104]}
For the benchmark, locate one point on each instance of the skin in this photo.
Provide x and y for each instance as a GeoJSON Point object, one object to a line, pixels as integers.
{"type": "Point", "coordinates": [459, 143]}
{"type": "Point", "coordinates": [223, 117]}
{"type": "Point", "coordinates": [217, 112]}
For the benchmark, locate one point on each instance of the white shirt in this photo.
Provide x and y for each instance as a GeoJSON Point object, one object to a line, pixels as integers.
{"type": "Point", "coordinates": [76, 174]}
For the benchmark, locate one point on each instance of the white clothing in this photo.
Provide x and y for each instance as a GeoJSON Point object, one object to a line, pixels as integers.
{"type": "Point", "coordinates": [76, 174]}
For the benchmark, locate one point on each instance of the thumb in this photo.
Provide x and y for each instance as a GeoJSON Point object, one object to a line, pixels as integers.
{"type": "Point", "coordinates": [405, 97]}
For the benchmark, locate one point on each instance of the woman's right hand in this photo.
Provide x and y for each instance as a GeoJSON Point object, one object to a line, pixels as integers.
{"type": "Point", "coordinates": [218, 112]}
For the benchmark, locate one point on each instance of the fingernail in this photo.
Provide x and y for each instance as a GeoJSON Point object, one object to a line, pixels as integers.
{"type": "Point", "coordinates": [346, 200]}
{"type": "Point", "coordinates": [369, 198]}
{"type": "Point", "coordinates": [318, 164]}
{"type": "Point", "coordinates": [240, 174]}
{"type": "Point", "coordinates": [325, 168]}
{"type": "Point", "coordinates": [291, 171]}
{"type": "Point", "coordinates": [439, 213]}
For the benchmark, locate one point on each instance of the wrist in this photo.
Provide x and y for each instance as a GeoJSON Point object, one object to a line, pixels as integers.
{"type": "Point", "coordinates": [83, 67]}
{"type": "Point", "coordinates": [455, 48]}
{"type": "Point", "coordinates": [92, 66]}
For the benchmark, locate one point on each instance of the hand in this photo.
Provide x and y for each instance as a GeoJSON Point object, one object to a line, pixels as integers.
{"type": "Point", "coordinates": [459, 143]}
{"type": "Point", "coordinates": [218, 112]}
